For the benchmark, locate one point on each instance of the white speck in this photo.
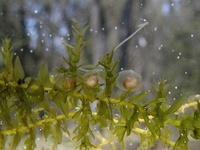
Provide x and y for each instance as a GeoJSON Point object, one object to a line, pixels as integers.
{"type": "Point", "coordinates": [122, 22]}
{"type": "Point", "coordinates": [41, 26]}
{"type": "Point", "coordinates": [136, 46]}
{"type": "Point", "coordinates": [176, 87]}
{"type": "Point", "coordinates": [173, 50]}
{"type": "Point", "coordinates": [169, 92]}
{"type": "Point", "coordinates": [172, 4]}
{"type": "Point", "coordinates": [174, 98]}
{"type": "Point", "coordinates": [95, 31]}
{"type": "Point", "coordinates": [91, 30]}
{"type": "Point", "coordinates": [155, 29]}
{"type": "Point", "coordinates": [68, 38]}
{"type": "Point", "coordinates": [36, 11]}
{"type": "Point", "coordinates": [61, 38]}
{"type": "Point", "coordinates": [131, 143]}
{"type": "Point", "coordinates": [178, 57]}
{"type": "Point", "coordinates": [42, 41]}
{"type": "Point", "coordinates": [15, 53]}
{"type": "Point", "coordinates": [50, 35]}
{"type": "Point", "coordinates": [186, 72]}
{"type": "Point", "coordinates": [28, 34]}
{"type": "Point", "coordinates": [31, 51]}
{"type": "Point", "coordinates": [192, 35]}
{"type": "Point", "coordinates": [43, 34]}
{"type": "Point", "coordinates": [68, 35]}
{"type": "Point", "coordinates": [115, 28]}
{"type": "Point", "coordinates": [103, 29]}
{"type": "Point", "coordinates": [47, 49]}
{"type": "Point", "coordinates": [121, 68]}
{"type": "Point", "coordinates": [160, 47]}
{"type": "Point", "coordinates": [21, 49]}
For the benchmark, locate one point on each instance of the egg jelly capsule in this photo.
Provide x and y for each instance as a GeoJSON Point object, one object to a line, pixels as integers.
{"type": "Point", "coordinates": [128, 80]}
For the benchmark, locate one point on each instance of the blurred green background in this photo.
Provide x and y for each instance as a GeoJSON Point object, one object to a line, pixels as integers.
{"type": "Point", "coordinates": [168, 47]}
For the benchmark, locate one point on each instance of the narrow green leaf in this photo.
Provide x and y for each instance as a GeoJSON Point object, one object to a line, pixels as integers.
{"type": "Point", "coordinates": [132, 120]}
{"type": "Point", "coordinates": [7, 53]}
{"type": "Point", "coordinates": [18, 71]}
{"type": "Point", "coordinates": [30, 141]}
{"type": "Point", "coordinates": [43, 75]}
{"type": "Point", "coordinates": [151, 126]}
{"type": "Point", "coordinates": [58, 133]}
{"type": "Point", "coordinates": [138, 97]}
{"type": "Point", "coordinates": [175, 106]}
{"type": "Point", "coordinates": [60, 101]}
{"type": "Point", "coordinates": [15, 141]}
{"type": "Point", "coordinates": [153, 101]}
{"type": "Point", "coordinates": [47, 131]}
{"type": "Point", "coordinates": [120, 132]}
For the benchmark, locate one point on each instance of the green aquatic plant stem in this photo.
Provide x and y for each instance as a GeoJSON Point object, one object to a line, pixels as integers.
{"type": "Point", "coordinates": [80, 95]}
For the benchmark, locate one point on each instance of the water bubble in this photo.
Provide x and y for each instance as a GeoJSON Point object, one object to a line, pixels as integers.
{"type": "Point", "coordinates": [179, 53]}
{"type": "Point", "coordinates": [68, 38]}
{"type": "Point", "coordinates": [42, 41]}
{"type": "Point", "coordinates": [172, 50]}
{"type": "Point", "coordinates": [131, 143]}
{"type": "Point", "coordinates": [15, 53]}
{"type": "Point", "coordinates": [174, 98]}
{"type": "Point", "coordinates": [121, 69]}
{"type": "Point", "coordinates": [41, 26]}
{"type": "Point", "coordinates": [122, 22]}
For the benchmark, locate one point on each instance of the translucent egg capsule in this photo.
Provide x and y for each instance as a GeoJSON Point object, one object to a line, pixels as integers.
{"type": "Point", "coordinates": [128, 80]}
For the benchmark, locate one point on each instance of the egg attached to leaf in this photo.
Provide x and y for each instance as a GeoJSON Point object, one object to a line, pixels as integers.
{"type": "Point", "coordinates": [128, 80]}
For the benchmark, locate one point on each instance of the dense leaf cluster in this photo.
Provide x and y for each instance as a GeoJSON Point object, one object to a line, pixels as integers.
{"type": "Point", "coordinates": [84, 95]}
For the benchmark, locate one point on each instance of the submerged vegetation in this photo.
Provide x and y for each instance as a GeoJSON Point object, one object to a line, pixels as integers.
{"type": "Point", "coordinates": [85, 95]}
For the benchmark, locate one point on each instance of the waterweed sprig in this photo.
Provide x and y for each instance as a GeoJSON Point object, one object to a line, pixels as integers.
{"type": "Point", "coordinates": [45, 102]}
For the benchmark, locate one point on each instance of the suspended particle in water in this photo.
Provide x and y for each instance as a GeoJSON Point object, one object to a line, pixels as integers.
{"type": "Point", "coordinates": [36, 11]}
